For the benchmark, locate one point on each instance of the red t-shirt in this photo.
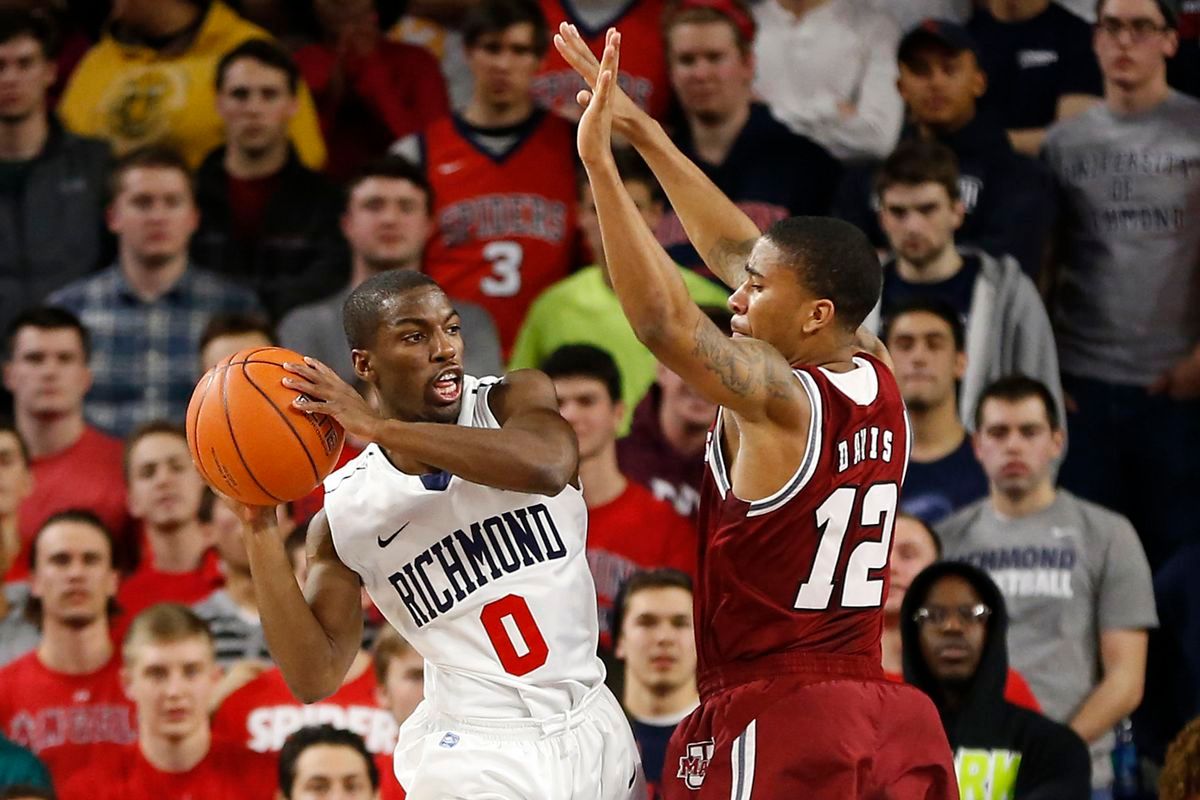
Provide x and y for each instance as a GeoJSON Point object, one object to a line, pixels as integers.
{"type": "Point", "coordinates": [227, 771]}
{"type": "Point", "coordinates": [1016, 690]}
{"type": "Point", "coordinates": [74, 723]}
{"type": "Point", "coordinates": [148, 586]}
{"type": "Point", "coordinates": [263, 713]}
{"type": "Point", "coordinates": [389, 787]}
{"type": "Point", "coordinates": [87, 475]}
{"type": "Point", "coordinates": [637, 531]}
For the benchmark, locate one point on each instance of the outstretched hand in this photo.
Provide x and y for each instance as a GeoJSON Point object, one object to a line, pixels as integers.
{"type": "Point", "coordinates": [323, 392]}
{"type": "Point", "coordinates": [568, 42]}
{"type": "Point", "coordinates": [595, 126]}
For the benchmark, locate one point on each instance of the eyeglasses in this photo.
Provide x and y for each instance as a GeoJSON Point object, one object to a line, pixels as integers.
{"type": "Point", "coordinates": [1138, 29]}
{"type": "Point", "coordinates": [940, 615]}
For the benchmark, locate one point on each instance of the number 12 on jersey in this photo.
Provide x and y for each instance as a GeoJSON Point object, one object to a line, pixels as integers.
{"type": "Point", "coordinates": [834, 518]}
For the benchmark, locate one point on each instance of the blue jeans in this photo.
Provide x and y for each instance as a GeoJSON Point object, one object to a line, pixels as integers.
{"type": "Point", "coordinates": [1139, 455]}
{"type": "Point", "coordinates": [1102, 794]}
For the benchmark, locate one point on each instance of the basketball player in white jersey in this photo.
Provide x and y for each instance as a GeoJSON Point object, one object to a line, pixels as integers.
{"type": "Point", "coordinates": [465, 521]}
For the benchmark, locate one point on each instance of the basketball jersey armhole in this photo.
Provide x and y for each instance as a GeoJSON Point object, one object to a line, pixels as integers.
{"type": "Point", "coordinates": [812, 453]}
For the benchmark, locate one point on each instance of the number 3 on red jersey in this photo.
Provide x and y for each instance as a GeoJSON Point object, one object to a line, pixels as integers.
{"type": "Point", "coordinates": [834, 517]}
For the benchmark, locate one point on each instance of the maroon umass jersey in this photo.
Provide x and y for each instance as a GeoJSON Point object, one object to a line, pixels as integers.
{"type": "Point", "coordinates": [806, 568]}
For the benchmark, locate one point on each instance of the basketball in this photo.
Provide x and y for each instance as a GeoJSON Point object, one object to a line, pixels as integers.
{"type": "Point", "coordinates": [246, 438]}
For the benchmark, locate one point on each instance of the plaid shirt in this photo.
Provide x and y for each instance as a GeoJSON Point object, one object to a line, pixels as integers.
{"type": "Point", "coordinates": [145, 355]}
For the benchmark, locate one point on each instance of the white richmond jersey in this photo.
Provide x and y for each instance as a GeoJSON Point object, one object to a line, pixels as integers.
{"type": "Point", "coordinates": [492, 587]}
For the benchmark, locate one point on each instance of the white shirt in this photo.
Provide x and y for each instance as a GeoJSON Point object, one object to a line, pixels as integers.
{"type": "Point", "coordinates": [843, 51]}
{"type": "Point", "coordinates": [907, 13]}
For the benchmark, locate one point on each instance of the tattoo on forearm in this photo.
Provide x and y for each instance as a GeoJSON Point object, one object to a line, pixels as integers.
{"type": "Point", "coordinates": [744, 369]}
{"type": "Point", "coordinates": [728, 257]}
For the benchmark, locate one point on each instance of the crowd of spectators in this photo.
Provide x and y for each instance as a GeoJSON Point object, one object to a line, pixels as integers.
{"type": "Point", "coordinates": [181, 179]}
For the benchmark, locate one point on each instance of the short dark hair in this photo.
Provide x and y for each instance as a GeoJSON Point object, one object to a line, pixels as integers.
{"type": "Point", "coordinates": [46, 318]}
{"type": "Point", "coordinates": [661, 578]}
{"type": "Point", "coordinates": [7, 425]}
{"type": "Point", "coordinates": [929, 531]}
{"type": "Point", "coordinates": [495, 16]}
{"type": "Point", "coordinates": [34, 23]}
{"type": "Point", "coordinates": [390, 167]}
{"type": "Point", "coordinates": [33, 605]}
{"type": "Point", "coordinates": [585, 361]}
{"type": "Point", "coordinates": [148, 157]}
{"type": "Point", "coordinates": [632, 168]}
{"type": "Point", "coordinates": [1013, 389]}
{"type": "Point", "coordinates": [360, 313]}
{"type": "Point", "coordinates": [918, 161]}
{"type": "Point", "coordinates": [929, 304]}
{"type": "Point", "coordinates": [234, 323]}
{"type": "Point", "coordinates": [1166, 7]}
{"type": "Point", "coordinates": [26, 791]}
{"type": "Point", "coordinates": [150, 428]}
{"type": "Point", "coordinates": [312, 736]}
{"type": "Point", "coordinates": [834, 260]}
{"type": "Point", "coordinates": [265, 52]}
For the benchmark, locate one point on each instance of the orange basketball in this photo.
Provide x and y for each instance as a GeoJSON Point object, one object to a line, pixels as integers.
{"type": "Point", "coordinates": [246, 438]}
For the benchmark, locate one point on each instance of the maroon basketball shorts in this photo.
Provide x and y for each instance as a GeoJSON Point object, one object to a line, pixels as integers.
{"type": "Point", "coordinates": [809, 727]}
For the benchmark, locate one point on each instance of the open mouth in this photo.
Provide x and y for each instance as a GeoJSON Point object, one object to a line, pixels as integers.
{"type": "Point", "coordinates": [447, 386]}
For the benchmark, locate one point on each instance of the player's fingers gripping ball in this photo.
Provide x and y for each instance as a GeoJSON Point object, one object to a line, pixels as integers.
{"type": "Point", "coordinates": [249, 441]}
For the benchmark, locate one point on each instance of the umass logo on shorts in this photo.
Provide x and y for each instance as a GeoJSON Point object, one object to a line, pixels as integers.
{"type": "Point", "coordinates": [693, 765]}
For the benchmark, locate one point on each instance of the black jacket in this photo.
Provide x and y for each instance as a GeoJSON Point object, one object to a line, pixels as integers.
{"type": "Point", "coordinates": [988, 733]}
{"type": "Point", "coordinates": [1010, 198]}
{"type": "Point", "coordinates": [299, 255]}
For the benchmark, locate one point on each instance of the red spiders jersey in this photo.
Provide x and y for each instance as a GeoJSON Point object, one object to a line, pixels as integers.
{"type": "Point", "coordinates": [505, 223]}
{"type": "Point", "coordinates": [643, 73]}
{"type": "Point", "coordinates": [806, 568]}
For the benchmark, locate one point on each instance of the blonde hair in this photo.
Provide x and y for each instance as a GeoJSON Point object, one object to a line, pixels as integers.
{"type": "Point", "coordinates": [164, 623]}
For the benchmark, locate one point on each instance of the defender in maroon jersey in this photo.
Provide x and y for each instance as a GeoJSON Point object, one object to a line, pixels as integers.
{"type": "Point", "coordinates": [805, 464]}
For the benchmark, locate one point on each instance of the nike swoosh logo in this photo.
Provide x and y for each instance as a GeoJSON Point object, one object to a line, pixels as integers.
{"type": "Point", "coordinates": [385, 542]}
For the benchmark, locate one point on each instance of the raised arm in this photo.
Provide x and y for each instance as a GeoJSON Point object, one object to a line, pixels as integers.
{"type": "Point", "coordinates": [533, 451]}
{"type": "Point", "coordinates": [746, 375]}
{"type": "Point", "coordinates": [721, 232]}
{"type": "Point", "coordinates": [313, 635]}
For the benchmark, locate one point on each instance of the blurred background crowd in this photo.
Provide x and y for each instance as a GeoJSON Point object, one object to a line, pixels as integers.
{"type": "Point", "coordinates": [181, 179]}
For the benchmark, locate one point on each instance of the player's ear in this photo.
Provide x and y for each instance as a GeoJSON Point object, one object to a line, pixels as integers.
{"type": "Point", "coordinates": [820, 315]}
{"type": "Point", "coordinates": [362, 364]}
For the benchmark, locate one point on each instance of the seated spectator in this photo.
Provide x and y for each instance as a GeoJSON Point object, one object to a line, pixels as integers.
{"type": "Point", "coordinates": [502, 173]}
{"type": "Point", "coordinates": [770, 172]}
{"type": "Point", "coordinates": [583, 308]}
{"type": "Point", "coordinates": [387, 221]}
{"type": "Point", "coordinates": [664, 450]}
{"type": "Point", "coordinates": [827, 69]}
{"type": "Point", "coordinates": [318, 761]}
{"type": "Point", "coordinates": [226, 334]}
{"type": "Point", "coordinates": [1073, 574]}
{"type": "Point", "coordinates": [628, 528]}
{"type": "Point", "coordinates": [231, 611]}
{"type": "Point", "coordinates": [643, 73]}
{"type": "Point", "coordinates": [263, 713]}
{"type": "Point", "coordinates": [370, 90]}
{"type": "Point", "coordinates": [52, 190]}
{"type": "Point", "coordinates": [925, 338]}
{"type": "Point", "coordinates": [1180, 777]}
{"type": "Point", "coordinates": [653, 634]}
{"type": "Point", "coordinates": [400, 676]}
{"type": "Point", "coordinates": [1040, 66]}
{"type": "Point", "coordinates": [17, 634]}
{"type": "Point", "coordinates": [20, 770]}
{"type": "Point", "coordinates": [169, 672]}
{"type": "Point", "coordinates": [149, 80]}
{"type": "Point", "coordinates": [266, 220]}
{"type": "Point", "coordinates": [165, 495]}
{"type": "Point", "coordinates": [954, 624]}
{"type": "Point", "coordinates": [72, 681]}
{"type": "Point", "coordinates": [73, 464]}
{"type": "Point", "coordinates": [146, 312]}
{"type": "Point", "coordinates": [1125, 304]}
{"type": "Point", "coordinates": [1007, 329]}
{"type": "Point", "coordinates": [914, 547]}
{"type": "Point", "coordinates": [1007, 199]}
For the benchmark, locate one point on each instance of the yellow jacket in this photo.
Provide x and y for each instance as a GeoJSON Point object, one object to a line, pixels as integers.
{"type": "Point", "coordinates": [133, 96]}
